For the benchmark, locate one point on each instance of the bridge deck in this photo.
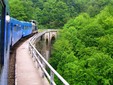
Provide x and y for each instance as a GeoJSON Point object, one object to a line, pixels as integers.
{"type": "Point", "coordinates": [26, 72]}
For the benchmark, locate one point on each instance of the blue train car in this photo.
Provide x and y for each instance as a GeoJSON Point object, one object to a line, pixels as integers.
{"type": "Point", "coordinates": [4, 41]}
{"type": "Point", "coordinates": [27, 28]}
{"type": "Point", "coordinates": [11, 30]}
{"type": "Point", "coordinates": [16, 30]}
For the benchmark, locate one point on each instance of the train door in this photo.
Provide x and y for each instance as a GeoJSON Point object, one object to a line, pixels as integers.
{"type": "Point", "coordinates": [7, 33]}
{"type": "Point", "coordinates": [11, 32]}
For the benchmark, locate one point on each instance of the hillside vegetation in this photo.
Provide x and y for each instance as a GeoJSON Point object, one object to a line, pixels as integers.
{"type": "Point", "coordinates": [54, 13]}
{"type": "Point", "coordinates": [83, 52]}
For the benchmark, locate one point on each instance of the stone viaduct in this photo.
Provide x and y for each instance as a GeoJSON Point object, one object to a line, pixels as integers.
{"type": "Point", "coordinates": [48, 37]}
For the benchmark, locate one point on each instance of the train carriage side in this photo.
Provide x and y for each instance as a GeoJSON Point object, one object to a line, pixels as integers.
{"type": "Point", "coordinates": [16, 30]}
{"type": "Point", "coordinates": [4, 41]}
{"type": "Point", "coordinates": [27, 28]}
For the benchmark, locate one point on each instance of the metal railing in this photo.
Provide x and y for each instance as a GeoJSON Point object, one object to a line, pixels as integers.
{"type": "Point", "coordinates": [42, 62]}
{"type": "Point", "coordinates": [39, 35]}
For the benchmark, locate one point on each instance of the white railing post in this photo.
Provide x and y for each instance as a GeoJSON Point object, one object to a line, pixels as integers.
{"type": "Point", "coordinates": [51, 78]}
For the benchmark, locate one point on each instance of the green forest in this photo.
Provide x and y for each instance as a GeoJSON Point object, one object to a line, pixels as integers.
{"type": "Point", "coordinates": [83, 52]}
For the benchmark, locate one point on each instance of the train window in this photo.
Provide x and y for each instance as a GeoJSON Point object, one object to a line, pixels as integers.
{"type": "Point", "coordinates": [19, 27]}
{"type": "Point", "coordinates": [26, 27]}
{"type": "Point", "coordinates": [15, 28]}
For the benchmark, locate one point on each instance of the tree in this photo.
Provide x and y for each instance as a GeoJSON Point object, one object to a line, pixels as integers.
{"type": "Point", "coordinates": [29, 10]}
{"type": "Point", "coordinates": [83, 52]}
{"type": "Point", "coordinates": [79, 22]}
{"type": "Point", "coordinates": [17, 9]}
{"type": "Point", "coordinates": [22, 10]}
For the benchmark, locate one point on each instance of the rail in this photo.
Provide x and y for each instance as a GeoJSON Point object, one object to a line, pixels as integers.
{"type": "Point", "coordinates": [42, 62]}
{"type": "Point", "coordinates": [38, 35]}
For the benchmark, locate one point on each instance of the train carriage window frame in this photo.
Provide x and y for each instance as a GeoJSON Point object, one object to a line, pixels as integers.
{"type": "Point", "coordinates": [19, 27]}
{"type": "Point", "coordinates": [2, 19]}
{"type": "Point", "coordinates": [15, 27]}
{"type": "Point", "coordinates": [0, 34]}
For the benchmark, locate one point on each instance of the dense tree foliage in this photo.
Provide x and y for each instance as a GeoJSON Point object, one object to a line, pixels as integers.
{"type": "Point", "coordinates": [22, 9]}
{"type": "Point", "coordinates": [83, 53]}
{"type": "Point", "coordinates": [55, 13]}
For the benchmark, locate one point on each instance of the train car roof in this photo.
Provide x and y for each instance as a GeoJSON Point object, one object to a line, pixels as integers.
{"type": "Point", "coordinates": [14, 21]}
{"type": "Point", "coordinates": [33, 21]}
{"type": "Point", "coordinates": [26, 23]}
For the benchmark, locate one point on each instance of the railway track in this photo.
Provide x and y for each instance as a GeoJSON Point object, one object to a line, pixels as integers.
{"type": "Point", "coordinates": [12, 60]}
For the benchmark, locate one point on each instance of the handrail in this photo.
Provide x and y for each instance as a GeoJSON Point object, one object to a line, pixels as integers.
{"type": "Point", "coordinates": [37, 36]}
{"type": "Point", "coordinates": [41, 61]}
